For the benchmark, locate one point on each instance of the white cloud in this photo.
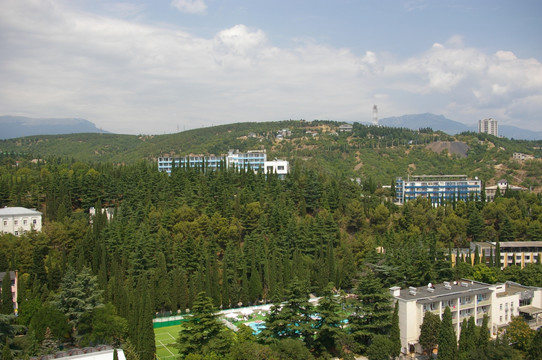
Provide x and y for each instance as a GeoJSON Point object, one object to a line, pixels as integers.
{"type": "Point", "coordinates": [134, 78]}
{"type": "Point", "coordinates": [190, 6]}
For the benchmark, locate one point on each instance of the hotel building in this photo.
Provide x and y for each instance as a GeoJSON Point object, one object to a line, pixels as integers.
{"type": "Point", "coordinates": [437, 188]}
{"type": "Point", "coordinates": [500, 302]}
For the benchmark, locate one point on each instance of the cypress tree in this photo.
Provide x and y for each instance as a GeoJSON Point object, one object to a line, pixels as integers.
{"type": "Point", "coordinates": [483, 335]}
{"type": "Point", "coordinates": [7, 300]}
{"type": "Point", "coordinates": [395, 334]}
{"type": "Point", "coordinates": [447, 340]}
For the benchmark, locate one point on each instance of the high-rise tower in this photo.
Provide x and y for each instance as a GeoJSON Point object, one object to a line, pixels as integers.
{"type": "Point", "coordinates": [375, 115]}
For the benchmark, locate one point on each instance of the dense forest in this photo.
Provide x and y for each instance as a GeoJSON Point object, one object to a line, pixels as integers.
{"type": "Point", "coordinates": [379, 153]}
{"type": "Point", "coordinates": [203, 240]}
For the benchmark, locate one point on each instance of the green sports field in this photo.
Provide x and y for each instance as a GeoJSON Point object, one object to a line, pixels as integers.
{"type": "Point", "coordinates": [165, 339]}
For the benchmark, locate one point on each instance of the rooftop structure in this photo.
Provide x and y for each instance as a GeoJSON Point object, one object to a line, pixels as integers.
{"type": "Point", "coordinates": [18, 220]}
{"type": "Point", "coordinates": [437, 188]}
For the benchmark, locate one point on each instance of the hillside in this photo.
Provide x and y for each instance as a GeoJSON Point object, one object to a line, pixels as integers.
{"type": "Point", "coordinates": [19, 126]}
{"type": "Point", "coordinates": [378, 153]}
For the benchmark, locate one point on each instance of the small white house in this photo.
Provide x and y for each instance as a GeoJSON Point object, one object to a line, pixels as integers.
{"type": "Point", "coordinates": [279, 167]}
{"type": "Point", "coordinates": [18, 220]}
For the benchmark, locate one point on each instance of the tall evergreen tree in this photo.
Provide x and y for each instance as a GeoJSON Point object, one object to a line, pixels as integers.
{"type": "Point", "coordinates": [447, 340]}
{"type": "Point", "coordinates": [6, 305]}
{"type": "Point", "coordinates": [483, 334]}
{"type": "Point", "coordinates": [201, 333]}
{"type": "Point", "coordinates": [395, 333]}
{"type": "Point", "coordinates": [429, 332]}
{"type": "Point", "coordinates": [372, 311]}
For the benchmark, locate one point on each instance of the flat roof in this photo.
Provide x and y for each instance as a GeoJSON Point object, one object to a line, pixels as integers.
{"type": "Point", "coordinates": [423, 294]}
{"type": "Point", "coordinates": [11, 211]}
{"type": "Point", "coordinates": [531, 310]}
{"type": "Point", "coordinates": [509, 244]}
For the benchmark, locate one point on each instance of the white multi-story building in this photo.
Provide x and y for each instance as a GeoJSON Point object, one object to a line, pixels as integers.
{"type": "Point", "coordinates": [18, 220]}
{"type": "Point", "coordinates": [488, 126]}
{"type": "Point", "coordinates": [500, 302]}
{"type": "Point", "coordinates": [437, 188]}
{"type": "Point", "coordinates": [255, 160]}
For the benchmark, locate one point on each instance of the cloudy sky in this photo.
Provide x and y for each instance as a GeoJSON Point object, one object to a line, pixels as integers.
{"type": "Point", "coordinates": [158, 66]}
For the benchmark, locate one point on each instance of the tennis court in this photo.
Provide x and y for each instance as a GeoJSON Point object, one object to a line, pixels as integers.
{"type": "Point", "coordinates": [165, 338]}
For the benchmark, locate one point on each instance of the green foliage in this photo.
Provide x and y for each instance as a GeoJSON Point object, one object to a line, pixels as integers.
{"type": "Point", "coordinates": [372, 311]}
{"type": "Point", "coordinates": [202, 333]}
{"type": "Point", "coordinates": [49, 317]}
{"type": "Point", "coordinates": [381, 348]}
{"type": "Point", "coordinates": [6, 301]}
{"type": "Point", "coordinates": [519, 333]}
{"type": "Point", "coordinates": [79, 295]}
{"type": "Point", "coordinates": [447, 340]}
{"type": "Point", "coordinates": [429, 332]}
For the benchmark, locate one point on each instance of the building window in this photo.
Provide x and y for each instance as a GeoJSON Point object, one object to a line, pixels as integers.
{"type": "Point", "coordinates": [16, 233]}
{"type": "Point", "coordinates": [25, 222]}
{"type": "Point", "coordinates": [500, 318]}
{"type": "Point", "coordinates": [16, 222]}
{"type": "Point", "coordinates": [34, 221]}
{"type": "Point", "coordinates": [5, 223]}
{"type": "Point", "coordinates": [500, 306]}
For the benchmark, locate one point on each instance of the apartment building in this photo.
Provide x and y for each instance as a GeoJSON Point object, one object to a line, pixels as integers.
{"type": "Point", "coordinates": [467, 298]}
{"type": "Point", "coordinates": [437, 188]}
{"type": "Point", "coordinates": [488, 126]}
{"type": "Point", "coordinates": [255, 160]}
{"type": "Point", "coordinates": [18, 220]}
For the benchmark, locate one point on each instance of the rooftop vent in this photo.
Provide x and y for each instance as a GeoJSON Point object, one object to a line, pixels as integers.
{"type": "Point", "coordinates": [464, 284]}
{"type": "Point", "coordinates": [431, 290]}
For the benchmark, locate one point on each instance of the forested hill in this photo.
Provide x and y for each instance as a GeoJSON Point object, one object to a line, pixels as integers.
{"type": "Point", "coordinates": [378, 153]}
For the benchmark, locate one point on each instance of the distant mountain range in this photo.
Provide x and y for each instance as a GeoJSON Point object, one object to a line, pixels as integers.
{"type": "Point", "coordinates": [439, 122]}
{"type": "Point", "coordinates": [19, 126]}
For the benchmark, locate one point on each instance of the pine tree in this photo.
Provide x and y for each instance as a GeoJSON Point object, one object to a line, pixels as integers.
{"type": "Point", "coordinates": [373, 311]}
{"type": "Point", "coordinates": [328, 326]}
{"type": "Point", "coordinates": [202, 330]}
{"type": "Point", "coordinates": [447, 340]}
{"type": "Point", "coordinates": [6, 352]}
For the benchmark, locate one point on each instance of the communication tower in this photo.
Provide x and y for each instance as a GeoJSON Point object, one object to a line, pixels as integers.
{"type": "Point", "coordinates": [375, 115]}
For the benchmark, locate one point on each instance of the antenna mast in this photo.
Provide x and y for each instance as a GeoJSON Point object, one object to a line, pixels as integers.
{"type": "Point", "coordinates": [375, 115]}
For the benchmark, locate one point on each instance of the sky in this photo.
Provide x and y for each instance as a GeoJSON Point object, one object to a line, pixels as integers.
{"type": "Point", "coordinates": [163, 66]}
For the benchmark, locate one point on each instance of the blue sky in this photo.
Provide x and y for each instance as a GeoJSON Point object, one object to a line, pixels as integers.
{"type": "Point", "coordinates": [154, 67]}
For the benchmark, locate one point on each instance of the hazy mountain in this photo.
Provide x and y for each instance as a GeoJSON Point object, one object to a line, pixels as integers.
{"type": "Point", "coordinates": [439, 122]}
{"type": "Point", "coordinates": [18, 126]}
{"type": "Point", "coordinates": [427, 120]}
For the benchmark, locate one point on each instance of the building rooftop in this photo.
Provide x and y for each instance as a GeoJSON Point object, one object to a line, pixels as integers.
{"type": "Point", "coordinates": [446, 289]}
{"type": "Point", "coordinates": [13, 211]}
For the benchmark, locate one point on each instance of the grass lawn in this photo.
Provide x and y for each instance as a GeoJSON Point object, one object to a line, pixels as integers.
{"type": "Point", "coordinates": [165, 339]}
